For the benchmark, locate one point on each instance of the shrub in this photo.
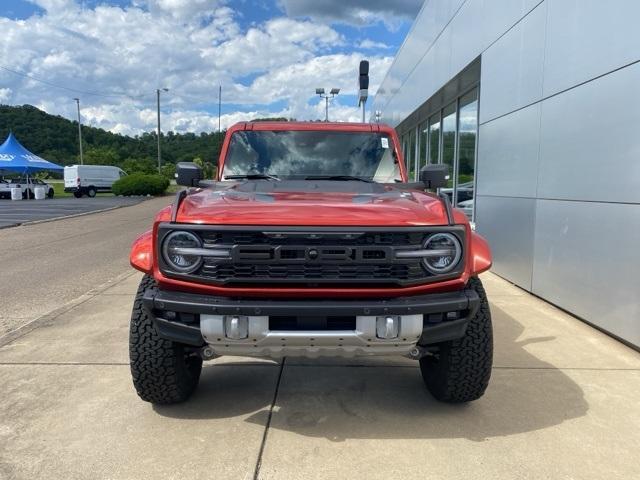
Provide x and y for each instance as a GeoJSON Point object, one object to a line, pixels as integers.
{"type": "Point", "coordinates": [140, 184]}
{"type": "Point", "coordinates": [168, 171]}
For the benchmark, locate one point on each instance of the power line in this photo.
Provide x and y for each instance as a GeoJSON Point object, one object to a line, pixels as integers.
{"type": "Point", "coordinates": [185, 96]}
{"type": "Point", "coordinates": [74, 90]}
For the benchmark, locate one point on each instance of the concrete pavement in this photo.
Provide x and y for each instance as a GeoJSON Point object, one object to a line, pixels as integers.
{"type": "Point", "coordinates": [564, 402]}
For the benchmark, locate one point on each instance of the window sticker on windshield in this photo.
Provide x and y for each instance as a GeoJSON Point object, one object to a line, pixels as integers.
{"type": "Point", "coordinates": [385, 142]}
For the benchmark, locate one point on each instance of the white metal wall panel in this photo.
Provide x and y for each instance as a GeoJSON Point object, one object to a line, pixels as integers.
{"type": "Point", "coordinates": [508, 223]}
{"type": "Point", "coordinates": [508, 154]}
{"type": "Point", "coordinates": [587, 38]}
{"type": "Point", "coordinates": [587, 262]}
{"type": "Point", "coordinates": [590, 147]}
{"type": "Point", "coordinates": [446, 36]}
{"type": "Point", "coordinates": [512, 67]}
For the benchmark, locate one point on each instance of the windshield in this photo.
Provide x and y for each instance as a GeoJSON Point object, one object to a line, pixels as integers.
{"type": "Point", "coordinates": [295, 154]}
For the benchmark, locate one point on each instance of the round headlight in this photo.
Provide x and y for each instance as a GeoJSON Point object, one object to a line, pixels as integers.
{"type": "Point", "coordinates": [174, 254]}
{"type": "Point", "coordinates": [446, 253]}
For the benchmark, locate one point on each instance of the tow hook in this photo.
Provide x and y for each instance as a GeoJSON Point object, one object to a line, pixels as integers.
{"type": "Point", "coordinates": [417, 352]}
{"type": "Point", "coordinates": [207, 353]}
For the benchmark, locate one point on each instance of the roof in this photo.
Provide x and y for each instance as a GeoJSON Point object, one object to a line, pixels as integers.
{"type": "Point", "coordinates": [15, 158]}
{"type": "Point", "coordinates": [339, 126]}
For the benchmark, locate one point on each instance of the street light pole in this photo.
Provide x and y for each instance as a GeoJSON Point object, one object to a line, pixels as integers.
{"type": "Point", "coordinates": [326, 108]}
{"type": "Point", "coordinates": [159, 152]}
{"type": "Point", "coordinates": [219, 108]}
{"type": "Point", "coordinates": [331, 94]}
{"type": "Point", "coordinates": [79, 131]}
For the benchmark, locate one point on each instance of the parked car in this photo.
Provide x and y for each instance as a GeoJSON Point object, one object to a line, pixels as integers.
{"type": "Point", "coordinates": [90, 179]}
{"type": "Point", "coordinates": [467, 207]}
{"type": "Point", "coordinates": [310, 243]}
{"type": "Point", "coordinates": [28, 186]}
{"type": "Point", "coordinates": [465, 192]}
{"type": "Point", "coordinates": [5, 189]}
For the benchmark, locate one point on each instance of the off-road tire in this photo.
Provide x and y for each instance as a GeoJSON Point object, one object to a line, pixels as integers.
{"type": "Point", "coordinates": [460, 370]}
{"type": "Point", "coordinates": [163, 371]}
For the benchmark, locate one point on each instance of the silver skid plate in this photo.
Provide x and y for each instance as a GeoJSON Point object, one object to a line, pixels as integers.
{"type": "Point", "coordinates": [261, 342]}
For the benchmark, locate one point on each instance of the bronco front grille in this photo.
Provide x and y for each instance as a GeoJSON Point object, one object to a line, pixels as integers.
{"type": "Point", "coordinates": [306, 272]}
{"type": "Point", "coordinates": [305, 256]}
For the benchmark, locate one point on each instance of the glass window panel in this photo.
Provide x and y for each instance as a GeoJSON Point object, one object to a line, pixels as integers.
{"type": "Point", "coordinates": [434, 138]}
{"type": "Point", "coordinates": [423, 130]}
{"type": "Point", "coordinates": [449, 142]}
{"type": "Point", "coordinates": [467, 132]}
{"type": "Point", "coordinates": [411, 154]}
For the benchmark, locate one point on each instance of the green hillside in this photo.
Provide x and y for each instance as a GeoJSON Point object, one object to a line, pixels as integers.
{"type": "Point", "coordinates": [56, 139]}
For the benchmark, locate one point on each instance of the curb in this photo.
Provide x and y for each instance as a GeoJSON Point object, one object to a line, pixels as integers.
{"type": "Point", "coordinates": [11, 225]}
{"type": "Point", "coordinates": [49, 317]}
{"type": "Point", "coordinates": [73, 215]}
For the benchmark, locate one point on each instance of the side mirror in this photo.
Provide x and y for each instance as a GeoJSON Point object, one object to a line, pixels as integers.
{"type": "Point", "coordinates": [188, 174]}
{"type": "Point", "coordinates": [434, 176]}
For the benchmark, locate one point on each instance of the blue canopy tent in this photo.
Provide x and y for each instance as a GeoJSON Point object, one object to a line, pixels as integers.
{"type": "Point", "coordinates": [15, 158]}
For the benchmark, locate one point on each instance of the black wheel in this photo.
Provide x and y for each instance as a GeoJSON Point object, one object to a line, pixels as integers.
{"type": "Point", "coordinates": [163, 371]}
{"type": "Point", "coordinates": [460, 370]}
{"type": "Point", "coordinates": [77, 194]}
{"type": "Point", "coordinates": [27, 194]}
{"type": "Point", "coordinates": [91, 191]}
{"type": "Point", "coordinates": [50, 193]}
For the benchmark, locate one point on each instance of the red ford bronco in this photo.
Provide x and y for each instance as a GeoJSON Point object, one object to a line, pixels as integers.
{"type": "Point", "coordinates": [310, 242]}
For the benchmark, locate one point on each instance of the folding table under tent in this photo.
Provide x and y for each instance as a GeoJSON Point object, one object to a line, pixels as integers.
{"type": "Point", "coordinates": [15, 158]}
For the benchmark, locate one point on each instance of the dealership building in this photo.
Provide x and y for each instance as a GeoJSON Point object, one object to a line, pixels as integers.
{"type": "Point", "coordinates": [535, 106]}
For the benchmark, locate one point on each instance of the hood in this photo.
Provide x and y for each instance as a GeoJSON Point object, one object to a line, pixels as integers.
{"type": "Point", "coordinates": [321, 203]}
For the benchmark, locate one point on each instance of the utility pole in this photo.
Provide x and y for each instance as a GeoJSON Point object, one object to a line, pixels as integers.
{"type": "Point", "coordinates": [79, 131]}
{"type": "Point", "coordinates": [219, 108]}
{"type": "Point", "coordinates": [331, 94]}
{"type": "Point", "coordinates": [159, 153]}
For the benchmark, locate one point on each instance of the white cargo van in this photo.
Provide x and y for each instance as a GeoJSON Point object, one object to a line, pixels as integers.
{"type": "Point", "coordinates": [90, 179]}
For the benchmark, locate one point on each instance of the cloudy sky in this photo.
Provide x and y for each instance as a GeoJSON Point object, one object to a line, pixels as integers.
{"type": "Point", "coordinates": [268, 56]}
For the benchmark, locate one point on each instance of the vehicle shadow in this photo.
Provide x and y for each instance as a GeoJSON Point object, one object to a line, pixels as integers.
{"type": "Point", "coordinates": [350, 400]}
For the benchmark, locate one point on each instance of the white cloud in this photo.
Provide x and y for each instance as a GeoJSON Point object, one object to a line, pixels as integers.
{"type": "Point", "coordinates": [185, 8]}
{"type": "Point", "coordinates": [5, 95]}
{"type": "Point", "coordinates": [53, 6]}
{"type": "Point", "coordinates": [356, 12]}
{"type": "Point", "coordinates": [190, 47]}
{"type": "Point", "coordinates": [369, 44]}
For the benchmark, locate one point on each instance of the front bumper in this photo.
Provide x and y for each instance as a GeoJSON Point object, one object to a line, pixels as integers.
{"type": "Point", "coordinates": [198, 320]}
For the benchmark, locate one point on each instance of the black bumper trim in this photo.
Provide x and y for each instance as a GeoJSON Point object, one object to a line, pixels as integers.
{"type": "Point", "coordinates": [179, 332]}
{"type": "Point", "coordinates": [156, 301]}
{"type": "Point", "coordinates": [445, 331]}
{"type": "Point", "coordinates": [205, 304]}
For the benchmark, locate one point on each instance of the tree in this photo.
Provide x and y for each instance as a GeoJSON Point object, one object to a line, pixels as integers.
{"type": "Point", "coordinates": [208, 169]}
{"type": "Point", "coordinates": [139, 165]}
{"type": "Point", "coordinates": [168, 170]}
{"type": "Point", "coordinates": [101, 156]}
{"type": "Point", "coordinates": [56, 139]}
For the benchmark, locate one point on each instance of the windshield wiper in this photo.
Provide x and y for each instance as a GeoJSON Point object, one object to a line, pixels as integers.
{"type": "Point", "coordinates": [251, 176]}
{"type": "Point", "coordinates": [338, 177]}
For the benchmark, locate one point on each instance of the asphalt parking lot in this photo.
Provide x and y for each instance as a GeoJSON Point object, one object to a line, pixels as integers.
{"type": "Point", "coordinates": [13, 213]}
{"type": "Point", "coordinates": [563, 403]}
